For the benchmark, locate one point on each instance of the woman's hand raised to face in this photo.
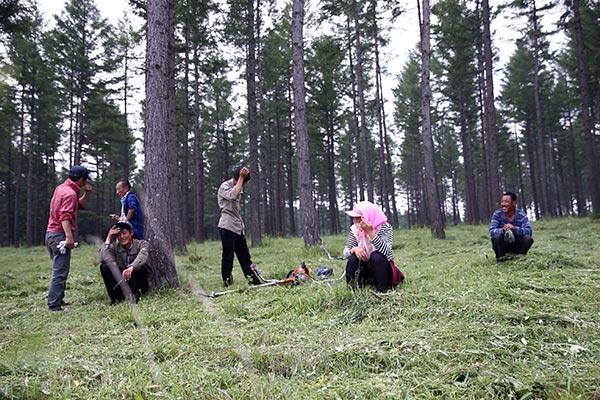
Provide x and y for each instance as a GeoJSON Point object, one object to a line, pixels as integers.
{"type": "Point", "coordinates": [366, 226]}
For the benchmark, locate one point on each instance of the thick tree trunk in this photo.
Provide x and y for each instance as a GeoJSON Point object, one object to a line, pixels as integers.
{"type": "Point", "coordinates": [520, 174]}
{"type": "Point", "coordinates": [265, 171]}
{"type": "Point", "coordinates": [184, 192]}
{"type": "Point", "coordinates": [436, 219]}
{"type": "Point", "coordinates": [574, 173]}
{"type": "Point", "coordinates": [360, 85]}
{"type": "Point", "coordinates": [384, 187]}
{"type": "Point", "coordinates": [530, 143]}
{"type": "Point", "coordinates": [291, 196]}
{"type": "Point", "coordinates": [491, 149]}
{"type": "Point", "coordinates": [159, 145]}
{"type": "Point", "coordinates": [334, 222]}
{"type": "Point", "coordinates": [591, 153]}
{"type": "Point", "coordinates": [198, 156]}
{"type": "Point", "coordinates": [126, 159]}
{"type": "Point", "coordinates": [279, 195]}
{"type": "Point", "coordinates": [471, 204]}
{"type": "Point", "coordinates": [482, 179]}
{"type": "Point", "coordinates": [20, 160]}
{"type": "Point", "coordinates": [310, 231]}
{"type": "Point", "coordinates": [255, 231]}
{"type": "Point", "coordinates": [355, 167]}
{"type": "Point", "coordinates": [545, 170]}
{"type": "Point", "coordinates": [29, 209]}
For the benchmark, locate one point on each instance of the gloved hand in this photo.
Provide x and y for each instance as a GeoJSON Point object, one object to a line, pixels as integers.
{"type": "Point", "coordinates": [509, 236]}
{"type": "Point", "coordinates": [62, 246]}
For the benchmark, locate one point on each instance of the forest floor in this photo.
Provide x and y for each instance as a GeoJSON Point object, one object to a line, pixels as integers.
{"type": "Point", "coordinates": [461, 326]}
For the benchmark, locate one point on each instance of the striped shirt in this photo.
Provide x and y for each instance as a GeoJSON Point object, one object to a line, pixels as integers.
{"type": "Point", "coordinates": [520, 221]}
{"type": "Point", "coordinates": [382, 241]}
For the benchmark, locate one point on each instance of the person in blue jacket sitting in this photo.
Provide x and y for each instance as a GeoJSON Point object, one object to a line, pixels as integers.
{"type": "Point", "coordinates": [510, 229]}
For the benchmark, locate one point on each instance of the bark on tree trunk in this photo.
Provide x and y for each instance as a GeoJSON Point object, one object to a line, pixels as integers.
{"type": "Point", "coordinates": [160, 149]}
{"type": "Point", "coordinates": [255, 231]}
{"type": "Point", "coordinates": [591, 154]}
{"type": "Point", "coordinates": [334, 222]}
{"type": "Point", "coordinates": [436, 219]}
{"type": "Point", "coordinates": [262, 150]}
{"type": "Point", "coordinates": [545, 170]}
{"type": "Point", "coordinates": [126, 132]}
{"type": "Point", "coordinates": [198, 156]}
{"type": "Point", "coordinates": [530, 140]}
{"type": "Point", "coordinates": [384, 188]}
{"type": "Point", "coordinates": [19, 173]}
{"type": "Point", "coordinates": [573, 170]}
{"type": "Point", "coordinates": [472, 209]}
{"type": "Point", "coordinates": [491, 149]}
{"type": "Point", "coordinates": [291, 197]}
{"type": "Point", "coordinates": [520, 174]}
{"type": "Point", "coordinates": [355, 168]}
{"type": "Point", "coordinates": [185, 176]}
{"type": "Point", "coordinates": [310, 231]}
{"type": "Point", "coordinates": [360, 85]}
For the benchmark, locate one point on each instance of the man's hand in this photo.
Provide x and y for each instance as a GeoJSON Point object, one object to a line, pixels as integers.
{"type": "Point", "coordinates": [69, 242]}
{"type": "Point", "coordinates": [111, 232]}
{"type": "Point", "coordinates": [127, 273]}
{"type": "Point", "coordinates": [87, 188]}
{"type": "Point", "coordinates": [509, 227]}
{"type": "Point", "coordinates": [244, 172]}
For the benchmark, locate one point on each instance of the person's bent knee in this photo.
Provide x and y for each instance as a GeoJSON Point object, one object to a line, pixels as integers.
{"type": "Point", "coordinates": [528, 240]}
{"type": "Point", "coordinates": [377, 258]}
{"type": "Point", "coordinates": [352, 261]}
{"type": "Point", "coordinates": [497, 239]}
{"type": "Point", "coordinates": [526, 243]}
{"type": "Point", "coordinates": [104, 268]}
{"type": "Point", "coordinates": [351, 267]}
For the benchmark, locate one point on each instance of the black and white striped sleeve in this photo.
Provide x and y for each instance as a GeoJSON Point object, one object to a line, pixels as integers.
{"type": "Point", "coordinates": [350, 243]}
{"type": "Point", "coordinates": [383, 241]}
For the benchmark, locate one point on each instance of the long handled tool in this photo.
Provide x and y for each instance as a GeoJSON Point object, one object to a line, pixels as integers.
{"type": "Point", "coordinates": [260, 276]}
{"type": "Point", "coordinates": [118, 277]}
{"type": "Point", "coordinates": [322, 247]}
{"type": "Point", "coordinates": [269, 283]}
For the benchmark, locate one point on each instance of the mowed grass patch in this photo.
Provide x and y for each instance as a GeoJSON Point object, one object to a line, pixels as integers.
{"type": "Point", "coordinates": [461, 326]}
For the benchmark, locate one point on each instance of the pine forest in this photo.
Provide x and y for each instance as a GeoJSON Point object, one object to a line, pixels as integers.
{"type": "Point", "coordinates": [296, 90]}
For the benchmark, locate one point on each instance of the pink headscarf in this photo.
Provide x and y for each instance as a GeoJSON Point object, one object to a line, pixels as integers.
{"type": "Point", "coordinates": [369, 212]}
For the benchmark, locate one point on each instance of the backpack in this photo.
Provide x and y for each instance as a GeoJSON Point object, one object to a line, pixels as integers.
{"type": "Point", "coordinates": [397, 275]}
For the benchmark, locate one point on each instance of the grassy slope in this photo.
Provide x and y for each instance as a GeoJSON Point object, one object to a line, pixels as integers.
{"type": "Point", "coordinates": [462, 326]}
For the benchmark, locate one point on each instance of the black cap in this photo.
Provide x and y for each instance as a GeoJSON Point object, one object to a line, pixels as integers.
{"type": "Point", "coordinates": [78, 172]}
{"type": "Point", "coordinates": [123, 225]}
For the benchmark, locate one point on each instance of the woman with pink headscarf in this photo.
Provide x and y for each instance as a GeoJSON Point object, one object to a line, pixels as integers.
{"type": "Point", "coordinates": [369, 249]}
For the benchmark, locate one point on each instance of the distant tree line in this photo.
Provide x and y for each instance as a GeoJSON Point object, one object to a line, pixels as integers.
{"type": "Point", "coordinates": [68, 94]}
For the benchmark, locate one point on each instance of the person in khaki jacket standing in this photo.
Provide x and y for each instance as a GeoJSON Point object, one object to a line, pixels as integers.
{"type": "Point", "coordinates": [232, 229]}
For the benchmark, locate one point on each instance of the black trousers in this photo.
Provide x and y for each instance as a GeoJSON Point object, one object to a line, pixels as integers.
{"type": "Point", "coordinates": [521, 245]}
{"type": "Point", "coordinates": [376, 271]}
{"type": "Point", "coordinates": [138, 283]}
{"type": "Point", "coordinates": [234, 243]}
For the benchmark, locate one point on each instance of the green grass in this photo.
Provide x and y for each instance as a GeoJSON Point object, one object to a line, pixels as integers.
{"type": "Point", "coordinates": [461, 327]}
